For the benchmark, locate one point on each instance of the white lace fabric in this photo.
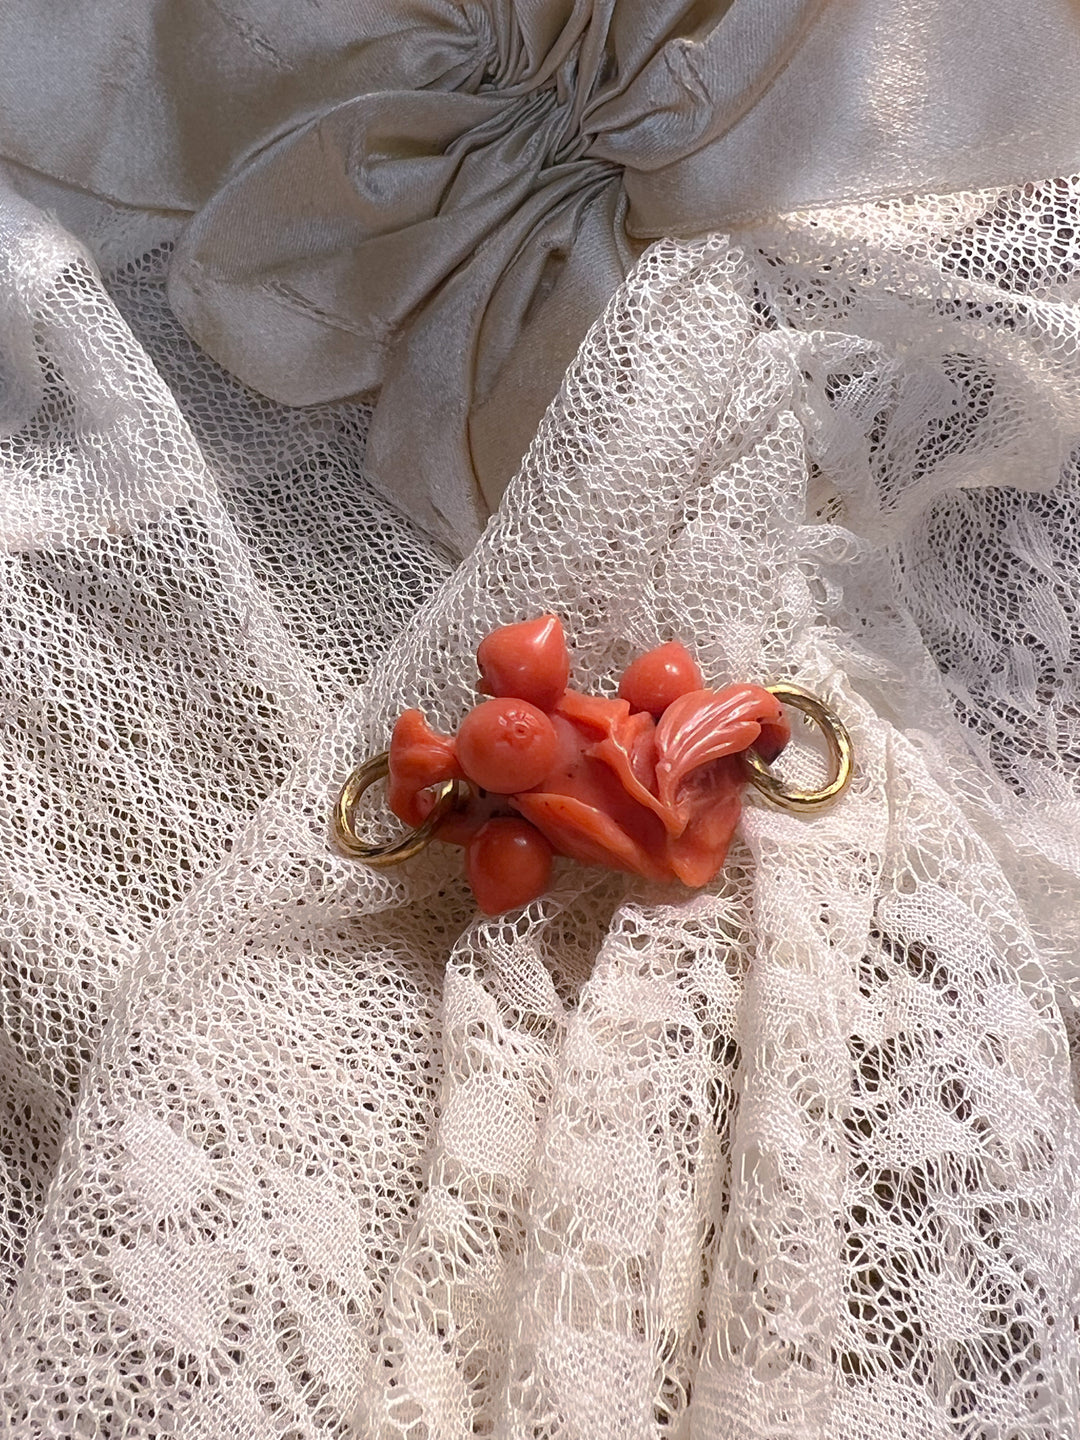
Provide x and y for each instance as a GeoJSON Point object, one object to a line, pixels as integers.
{"type": "Point", "coordinates": [296, 1148]}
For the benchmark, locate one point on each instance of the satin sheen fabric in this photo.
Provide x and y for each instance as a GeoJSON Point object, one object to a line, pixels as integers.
{"type": "Point", "coordinates": [435, 200]}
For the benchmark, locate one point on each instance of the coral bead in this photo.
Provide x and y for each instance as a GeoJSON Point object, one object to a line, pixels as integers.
{"type": "Point", "coordinates": [529, 661]}
{"type": "Point", "coordinates": [506, 745]}
{"type": "Point", "coordinates": [508, 863]}
{"type": "Point", "coordinates": [660, 676]}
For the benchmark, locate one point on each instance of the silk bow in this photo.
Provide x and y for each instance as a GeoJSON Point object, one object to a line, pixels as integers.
{"type": "Point", "coordinates": [433, 199]}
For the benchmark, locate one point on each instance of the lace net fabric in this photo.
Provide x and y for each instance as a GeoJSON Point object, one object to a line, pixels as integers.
{"type": "Point", "coordinates": [295, 1148]}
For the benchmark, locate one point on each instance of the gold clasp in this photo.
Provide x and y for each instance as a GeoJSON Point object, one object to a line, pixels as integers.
{"type": "Point", "coordinates": [391, 852]}
{"type": "Point", "coordinates": [805, 802]}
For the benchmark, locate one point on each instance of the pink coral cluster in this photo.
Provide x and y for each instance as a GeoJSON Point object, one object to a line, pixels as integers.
{"type": "Point", "coordinates": [650, 783]}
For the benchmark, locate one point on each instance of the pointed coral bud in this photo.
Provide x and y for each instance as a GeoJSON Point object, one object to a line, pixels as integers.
{"type": "Point", "coordinates": [528, 661]}
{"type": "Point", "coordinates": [658, 677]}
{"type": "Point", "coordinates": [508, 863]}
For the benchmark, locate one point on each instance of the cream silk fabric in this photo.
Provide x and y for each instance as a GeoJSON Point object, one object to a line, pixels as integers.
{"type": "Point", "coordinates": [435, 200]}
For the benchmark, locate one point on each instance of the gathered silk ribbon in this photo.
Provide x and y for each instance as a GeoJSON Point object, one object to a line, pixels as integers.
{"type": "Point", "coordinates": [434, 200]}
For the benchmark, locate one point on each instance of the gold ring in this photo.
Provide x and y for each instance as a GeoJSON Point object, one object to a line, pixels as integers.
{"type": "Point", "coordinates": [840, 750]}
{"type": "Point", "coordinates": [391, 852]}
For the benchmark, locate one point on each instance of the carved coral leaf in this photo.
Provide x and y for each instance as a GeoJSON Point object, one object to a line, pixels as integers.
{"type": "Point", "coordinates": [587, 834]}
{"type": "Point", "coordinates": [706, 725]}
{"type": "Point", "coordinates": [698, 853]}
{"type": "Point", "coordinates": [630, 750]}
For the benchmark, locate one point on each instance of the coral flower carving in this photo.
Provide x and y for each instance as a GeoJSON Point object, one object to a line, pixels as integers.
{"type": "Point", "coordinates": [649, 783]}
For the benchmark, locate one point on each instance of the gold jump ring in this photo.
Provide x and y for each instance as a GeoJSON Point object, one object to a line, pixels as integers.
{"type": "Point", "coordinates": [837, 739]}
{"type": "Point", "coordinates": [391, 852]}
